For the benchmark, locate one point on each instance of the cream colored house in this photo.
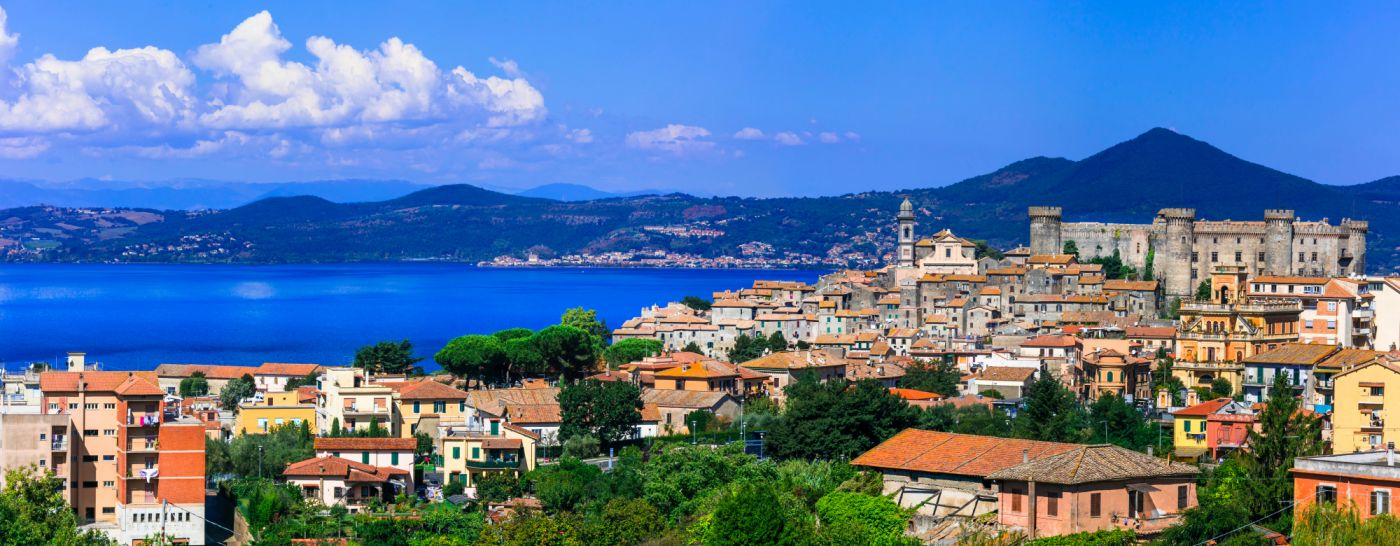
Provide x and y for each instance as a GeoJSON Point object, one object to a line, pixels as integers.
{"type": "Point", "coordinates": [350, 399]}
{"type": "Point", "coordinates": [477, 447]}
{"type": "Point", "coordinates": [1365, 397]}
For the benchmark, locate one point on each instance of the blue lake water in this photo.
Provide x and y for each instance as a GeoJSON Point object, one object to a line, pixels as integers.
{"type": "Point", "coordinates": [138, 316]}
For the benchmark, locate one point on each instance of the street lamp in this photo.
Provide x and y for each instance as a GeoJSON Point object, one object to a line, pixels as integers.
{"type": "Point", "coordinates": [260, 461]}
{"type": "Point", "coordinates": [693, 440]}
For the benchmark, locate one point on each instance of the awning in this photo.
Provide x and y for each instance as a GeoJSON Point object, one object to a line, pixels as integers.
{"type": "Point", "coordinates": [1141, 488]}
{"type": "Point", "coordinates": [501, 443]}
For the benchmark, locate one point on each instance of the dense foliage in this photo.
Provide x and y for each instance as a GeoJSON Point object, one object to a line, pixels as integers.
{"type": "Point", "coordinates": [236, 390]}
{"type": "Point", "coordinates": [391, 357]}
{"type": "Point", "coordinates": [631, 350]}
{"type": "Point", "coordinates": [194, 385]}
{"type": "Point", "coordinates": [939, 377]}
{"type": "Point", "coordinates": [606, 410]}
{"type": "Point", "coordinates": [32, 511]}
{"type": "Point", "coordinates": [254, 455]}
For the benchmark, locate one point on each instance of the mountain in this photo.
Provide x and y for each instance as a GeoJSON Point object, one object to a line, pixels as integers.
{"type": "Point", "coordinates": [1127, 182]}
{"type": "Point", "coordinates": [578, 192]}
{"type": "Point", "coordinates": [190, 194]}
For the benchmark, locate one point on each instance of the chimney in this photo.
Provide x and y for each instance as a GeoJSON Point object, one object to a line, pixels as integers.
{"type": "Point", "coordinates": [1390, 454]}
{"type": "Point", "coordinates": [1149, 451]}
{"type": "Point", "coordinates": [77, 362]}
{"type": "Point", "coordinates": [1025, 455]}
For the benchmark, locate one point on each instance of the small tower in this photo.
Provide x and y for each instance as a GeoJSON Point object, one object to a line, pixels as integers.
{"type": "Point", "coordinates": [906, 233]}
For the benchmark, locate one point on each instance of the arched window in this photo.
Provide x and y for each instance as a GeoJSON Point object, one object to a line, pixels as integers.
{"type": "Point", "coordinates": [1110, 377]}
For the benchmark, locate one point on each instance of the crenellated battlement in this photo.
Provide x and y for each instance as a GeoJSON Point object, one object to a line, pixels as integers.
{"type": "Point", "coordinates": [1177, 214]}
{"type": "Point", "coordinates": [1361, 226]}
{"type": "Point", "coordinates": [1279, 215]}
{"type": "Point", "coordinates": [1046, 212]}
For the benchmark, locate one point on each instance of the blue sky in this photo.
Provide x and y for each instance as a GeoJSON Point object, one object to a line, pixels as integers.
{"type": "Point", "coordinates": [750, 98]}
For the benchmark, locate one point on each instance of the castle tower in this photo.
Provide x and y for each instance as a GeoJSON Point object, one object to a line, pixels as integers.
{"type": "Point", "coordinates": [1045, 230]}
{"type": "Point", "coordinates": [1356, 245]}
{"type": "Point", "coordinates": [1180, 238]}
{"type": "Point", "coordinates": [906, 233]}
{"type": "Point", "coordinates": [1278, 241]}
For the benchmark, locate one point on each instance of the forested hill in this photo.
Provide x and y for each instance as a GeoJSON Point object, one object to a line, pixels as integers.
{"type": "Point", "coordinates": [1127, 182]}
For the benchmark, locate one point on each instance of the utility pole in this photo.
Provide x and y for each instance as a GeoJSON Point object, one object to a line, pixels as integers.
{"type": "Point", "coordinates": [164, 515]}
{"type": "Point", "coordinates": [260, 461]}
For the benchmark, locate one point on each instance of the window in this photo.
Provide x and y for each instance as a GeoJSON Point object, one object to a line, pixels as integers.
{"type": "Point", "coordinates": [43, 463]}
{"type": "Point", "coordinates": [109, 484]}
{"type": "Point", "coordinates": [1214, 256]}
{"type": "Point", "coordinates": [1110, 377]}
{"type": "Point", "coordinates": [1302, 257]}
{"type": "Point", "coordinates": [1015, 500]}
{"type": "Point", "coordinates": [416, 408]}
{"type": "Point", "coordinates": [1181, 495]}
{"type": "Point", "coordinates": [1195, 256]}
{"type": "Point", "coordinates": [1377, 391]}
{"type": "Point", "coordinates": [1239, 256]}
{"type": "Point", "coordinates": [109, 405]}
{"type": "Point", "coordinates": [109, 457]}
{"type": "Point", "coordinates": [439, 407]}
{"type": "Point", "coordinates": [1186, 425]}
{"type": "Point", "coordinates": [1327, 493]}
{"type": "Point", "coordinates": [90, 432]}
{"type": "Point", "coordinates": [109, 509]}
{"type": "Point", "coordinates": [364, 457]}
{"type": "Point", "coordinates": [1331, 325]}
{"type": "Point", "coordinates": [1095, 505]}
{"type": "Point", "coordinates": [1052, 505]}
{"type": "Point", "coordinates": [1331, 306]}
{"type": "Point", "coordinates": [262, 424]}
{"type": "Point", "coordinates": [109, 432]}
{"type": "Point", "coordinates": [1314, 256]}
{"type": "Point", "coordinates": [1380, 502]}
{"type": "Point", "coordinates": [1261, 256]}
{"type": "Point", "coordinates": [339, 492]}
{"type": "Point", "coordinates": [92, 484]}
{"type": "Point", "coordinates": [462, 407]}
{"type": "Point", "coordinates": [456, 452]}
{"type": "Point", "coordinates": [90, 406]}
{"type": "Point", "coordinates": [89, 458]}
{"type": "Point", "coordinates": [476, 453]}
{"type": "Point", "coordinates": [394, 458]}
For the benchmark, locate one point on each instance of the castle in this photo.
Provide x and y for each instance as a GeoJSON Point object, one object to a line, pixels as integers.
{"type": "Point", "coordinates": [1185, 250]}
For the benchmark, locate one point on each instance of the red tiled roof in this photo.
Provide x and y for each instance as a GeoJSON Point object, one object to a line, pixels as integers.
{"type": "Point", "coordinates": [501, 443]}
{"type": "Point", "coordinates": [211, 371]}
{"type": "Point", "coordinates": [345, 469]}
{"type": "Point", "coordinates": [1203, 409]}
{"type": "Point", "coordinates": [1050, 341]}
{"type": "Point", "coordinates": [912, 394]}
{"type": "Point", "coordinates": [960, 454]}
{"type": "Point", "coordinates": [427, 389]}
{"type": "Point", "coordinates": [1152, 332]}
{"type": "Point", "coordinates": [93, 381]}
{"type": "Point", "coordinates": [282, 368]}
{"type": "Point", "coordinates": [366, 444]}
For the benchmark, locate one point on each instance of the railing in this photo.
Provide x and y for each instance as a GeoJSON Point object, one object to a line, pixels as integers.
{"type": "Point", "coordinates": [144, 444]}
{"type": "Point", "coordinates": [60, 444]}
{"type": "Point", "coordinates": [143, 419]}
{"type": "Point", "coordinates": [499, 463]}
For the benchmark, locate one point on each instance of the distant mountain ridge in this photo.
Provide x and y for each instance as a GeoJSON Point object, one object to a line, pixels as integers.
{"type": "Point", "coordinates": [191, 194]}
{"type": "Point", "coordinates": [1126, 182]}
{"type": "Point", "coordinates": [579, 192]}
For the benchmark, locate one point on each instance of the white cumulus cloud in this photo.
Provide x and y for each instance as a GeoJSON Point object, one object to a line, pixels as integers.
{"type": "Point", "coordinates": [749, 133]}
{"type": "Point", "coordinates": [787, 138]}
{"type": "Point", "coordinates": [674, 138]}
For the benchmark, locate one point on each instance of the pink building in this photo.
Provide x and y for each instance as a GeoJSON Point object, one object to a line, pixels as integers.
{"type": "Point", "coordinates": [1093, 488]}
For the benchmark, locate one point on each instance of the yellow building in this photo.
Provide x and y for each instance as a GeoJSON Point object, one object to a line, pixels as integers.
{"type": "Point", "coordinates": [1364, 393]}
{"type": "Point", "coordinates": [1216, 335]}
{"type": "Point", "coordinates": [276, 409]}
{"type": "Point", "coordinates": [469, 451]}
{"type": "Point", "coordinates": [424, 403]}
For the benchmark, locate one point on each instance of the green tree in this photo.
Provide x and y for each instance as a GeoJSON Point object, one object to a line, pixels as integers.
{"type": "Point", "coordinates": [1126, 427]}
{"type": "Point", "coordinates": [194, 385]}
{"type": "Point", "coordinates": [1071, 248]}
{"type": "Point", "coordinates": [32, 511]}
{"type": "Point", "coordinates": [992, 393]}
{"type": "Point", "coordinates": [982, 249]}
{"type": "Point", "coordinates": [513, 333]}
{"type": "Point", "coordinates": [581, 446]}
{"type": "Point", "coordinates": [829, 420]}
{"type": "Point", "coordinates": [236, 390]}
{"type": "Point", "coordinates": [693, 347]}
{"type": "Point", "coordinates": [388, 357]}
{"type": "Point", "coordinates": [265, 455]}
{"type": "Point", "coordinates": [865, 519]}
{"type": "Point", "coordinates": [1285, 432]}
{"type": "Point", "coordinates": [1203, 291]}
{"type": "Point", "coordinates": [1051, 413]}
{"type": "Point", "coordinates": [523, 357]}
{"type": "Point", "coordinates": [631, 350]}
{"type": "Point", "coordinates": [310, 380]}
{"type": "Point", "coordinates": [1221, 388]}
{"type": "Point", "coordinates": [586, 320]}
{"type": "Point", "coordinates": [473, 356]}
{"type": "Point", "coordinates": [566, 486]}
{"type": "Point", "coordinates": [569, 350]}
{"type": "Point", "coordinates": [697, 303]}
{"type": "Point", "coordinates": [623, 522]}
{"type": "Point", "coordinates": [679, 477]}
{"type": "Point", "coordinates": [982, 420]}
{"type": "Point", "coordinates": [747, 348]}
{"type": "Point", "coordinates": [497, 486]}
{"type": "Point", "coordinates": [1149, 264]}
{"type": "Point", "coordinates": [754, 514]}
{"type": "Point", "coordinates": [777, 343]}
{"type": "Point", "coordinates": [607, 410]}
{"type": "Point", "coordinates": [939, 377]}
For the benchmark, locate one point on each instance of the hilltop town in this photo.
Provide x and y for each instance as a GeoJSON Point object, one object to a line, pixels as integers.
{"type": "Point", "coordinates": [1081, 386]}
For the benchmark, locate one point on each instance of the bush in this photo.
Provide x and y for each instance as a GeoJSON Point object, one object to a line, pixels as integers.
{"type": "Point", "coordinates": [581, 447]}
{"type": "Point", "coordinates": [1114, 537]}
{"type": "Point", "coordinates": [865, 519]}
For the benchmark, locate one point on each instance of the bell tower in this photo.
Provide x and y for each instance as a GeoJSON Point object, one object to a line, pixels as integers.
{"type": "Point", "coordinates": [906, 233]}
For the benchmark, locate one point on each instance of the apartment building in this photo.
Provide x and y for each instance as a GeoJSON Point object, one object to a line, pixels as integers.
{"type": "Point", "coordinates": [1385, 311]}
{"type": "Point", "coordinates": [276, 409]}
{"type": "Point", "coordinates": [130, 466]}
{"type": "Point", "coordinates": [349, 399]}
{"type": "Point", "coordinates": [394, 453]}
{"type": "Point", "coordinates": [1214, 337]}
{"type": "Point", "coordinates": [477, 447]}
{"type": "Point", "coordinates": [419, 405]}
{"type": "Point", "coordinates": [1335, 311]}
{"type": "Point", "coordinates": [1365, 394]}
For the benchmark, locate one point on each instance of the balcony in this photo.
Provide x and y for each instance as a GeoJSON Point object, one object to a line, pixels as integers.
{"type": "Point", "coordinates": [143, 419]}
{"type": "Point", "coordinates": [1363, 314]}
{"type": "Point", "coordinates": [60, 444]}
{"type": "Point", "coordinates": [493, 464]}
{"type": "Point", "coordinates": [147, 474]}
{"type": "Point", "coordinates": [147, 445]}
{"type": "Point", "coordinates": [370, 411]}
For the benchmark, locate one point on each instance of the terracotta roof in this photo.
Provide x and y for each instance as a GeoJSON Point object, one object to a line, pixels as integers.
{"type": "Point", "coordinates": [1299, 354]}
{"type": "Point", "coordinates": [533, 414]}
{"type": "Point", "coordinates": [1095, 463]}
{"type": "Point", "coordinates": [93, 381]}
{"type": "Point", "coordinates": [501, 443]}
{"type": "Point", "coordinates": [1348, 357]}
{"type": "Point", "coordinates": [1203, 409]}
{"type": "Point", "coordinates": [427, 389]}
{"type": "Point", "coordinates": [651, 413]}
{"type": "Point", "coordinates": [990, 291]}
{"type": "Point", "coordinates": [682, 399]}
{"type": "Point", "coordinates": [349, 443]}
{"type": "Point", "coordinates": [1137, 286]}
{"type": "Point", "coordinates": [345, 469]}
{"type": "Point", "coordinates": [912, 394]}
{"type": "Point", "coordinates": [1091, 279]}
{"type": "Point", "coordinates": [493, 399]}
{"type": "Point", "coordinates": [521, 431]}
{"type": "Point", "coordinates": [210, 371]}
{"type": "Point", "coordinates": [1151, 332]}
{"type": "Point", "coordinates": [1288, 279]}
{"type": "Point", "coordinates": [732, 303]}
{"type": "Point", "coordinates": [1005, 373]}
{"type": "Point", "coordinates": [959, 454]}
{"type": "Point", "coordinates": [612, 375]}
{"type": "Point", "coordinates": [139, 386]}
{"type": "Point", "coordinates": [1050, 259]}
{"type": "Point", "coordinates": [794, 360]}
{"type": "Point", "coordinates": [1051, 341]}
{"type": "Point", "coordinates": [291, 370]}
{"type": "Point", "coordinates": [307, 394]}
{"type": "Point", "coordinates": [698, 370]}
